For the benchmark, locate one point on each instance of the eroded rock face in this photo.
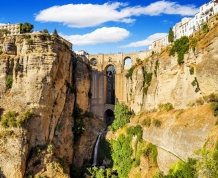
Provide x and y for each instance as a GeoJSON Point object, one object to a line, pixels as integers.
{"type": "Point", "coordinates": [42, 74]}
{"type": "Point", "coordinates": [173, 82]}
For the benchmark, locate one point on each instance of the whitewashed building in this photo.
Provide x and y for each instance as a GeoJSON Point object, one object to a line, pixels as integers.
{"type": "Point", "coordinates": [14, 29]}
{"type": "Point", "coordinates": [188, 26]}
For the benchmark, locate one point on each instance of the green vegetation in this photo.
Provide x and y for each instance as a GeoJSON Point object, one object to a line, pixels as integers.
{"type": "Point", "coordinates": [193, 43]}
{"type": "Point", "coordinates": [204, 27]}
{"type": "Point", "coordinates": [26, 27]}
{"type": "Point", "coordinates": [9, 81]}
{"type": "Point", "coordinates": [79, 127]}
{"type": "Point", "coordinates": [55, 33]}
{"type": "Point", "coordinates": [122, 116]}
{"type": "Point", "coordinates": [9, 119]}
{"type": "Point", "coordinates": [151, 151]}
{"type": "Point", "coordinates": [191, 70]}
{"type": "Point", "coordinates": [156, 67]}
{"type": "Point", "coordinates": [146, 122]}
{"type": "Point", "coordinates": [147, 80]}
{"type": "Point", "coordinates": [12, 119]}
{"type": "Point", "coordinates": [130, 72]}
{"type": "Point", "coordinates": [204, 165]}
{"type": "Point", "coordinates": [137, 130]}
{"type": "Point", "coordinates": [165, 107]}
{"type": "Point", "coordinates": [121, 154]}
{"type": "Point", "coordinates": [214, 106]}
{"type": "Point", "coordinates": [171, 36]}
{"type": "Point", "coordinates": [23, 117]}
{"type": "Point", "coordinates": [195, 83]}
{"type": "Point", "coordinates": [181, 46]}
{"type": "Point", "coordinates": [156, 122]}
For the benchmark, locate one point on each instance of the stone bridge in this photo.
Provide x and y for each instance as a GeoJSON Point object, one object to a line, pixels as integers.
{"type": "Point", "coordinates": [108, 84]}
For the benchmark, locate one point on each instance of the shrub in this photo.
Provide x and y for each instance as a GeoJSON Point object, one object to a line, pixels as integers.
{"type": "Point", "coordinates": [165, 107]}
{"type": "Point", "coordinates": [183, 169]}
{"type": "Point", "coordinates": [191, 70]}
{"type": "Point", "coordinates": [181, 46]}
{"type": "Point", "coordinates": [9, 119]}
{"type": "Point", "coordinates": [130, 72]}
{"type": "Point", "coordinates": [156, 67]}
{"type": "Point", "coordinates": [214, 106]}
{"type": "Point", "coordinates": [79, 126]}
{"type": "Point", "coordinates": [146, 122]}
{"type": "Point", "coordinates": [122, 116]}
{"type": "Point", "coordinates": [156, 122]}
{"type": "Point", "coordinates": [121, 154]}
{"type": "Point", "coordinates": [89, 114]}
{"type": "Point", "coordinates": [9, 81]}
{"type": "Point", "coordinates": [151, 151]}
{"type": "Point", "coordinates": [23, 117]}
{"type": "Point", "coordinates": [135, 131]}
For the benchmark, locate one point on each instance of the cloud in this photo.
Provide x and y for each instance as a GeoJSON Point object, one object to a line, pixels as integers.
{"type": "Point", "coordinates": [147, 41]}
{"type": "Point", "coordinates": [100, 35]}
{"type": "Point", "coordinates": [90, 15]}
{"type": "Point", "coordinates": [2, 24]}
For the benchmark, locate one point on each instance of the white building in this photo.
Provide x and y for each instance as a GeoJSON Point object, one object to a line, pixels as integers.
{"type": "Point", "coordinates": [14, 29]}
{"type": "Point", "coordinates": [188, 26]}
{"type": "Point", "coordinates": [81, 52]}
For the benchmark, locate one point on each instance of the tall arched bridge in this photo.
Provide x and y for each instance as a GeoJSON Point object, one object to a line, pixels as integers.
{"type": "Point", "coordinates": [108, 84]}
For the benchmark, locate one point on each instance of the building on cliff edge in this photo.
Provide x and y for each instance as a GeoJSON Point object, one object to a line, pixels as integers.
{"type": "Point", "coordinates": [188, 26]}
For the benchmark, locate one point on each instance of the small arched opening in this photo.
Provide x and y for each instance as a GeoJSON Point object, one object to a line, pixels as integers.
{"type": "Point", "coordinates": [127, 63]}
{"type": "Point", "coordinates": [109, 117]}
{"type": "Point", "coordinates": [93, 62]}
{"type": "Point", "coordinates": [110, 84]}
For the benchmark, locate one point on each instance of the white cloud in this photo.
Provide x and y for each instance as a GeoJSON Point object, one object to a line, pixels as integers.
{"type": "Point", "coordinates": [147, 41]}
{"type": "Point", "coordinates": [89, 15]}
{"type": "Point", "coordinates": [2, 24]}
{"type": "Point", "coordinates": [100, 35]}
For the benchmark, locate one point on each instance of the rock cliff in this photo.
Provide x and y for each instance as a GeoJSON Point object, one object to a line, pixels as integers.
{"type": "Point", "coordinates": [39, 72]}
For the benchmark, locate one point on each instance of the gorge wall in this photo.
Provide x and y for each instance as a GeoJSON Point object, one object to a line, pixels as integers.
{"type": "Point", "coordinates": [49, 80]}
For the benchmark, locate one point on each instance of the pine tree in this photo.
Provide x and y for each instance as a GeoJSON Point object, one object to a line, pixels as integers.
{"type": "Point", "coordinates": [55, 33]}
{"type": "Point", "coordinates": [171, 36]}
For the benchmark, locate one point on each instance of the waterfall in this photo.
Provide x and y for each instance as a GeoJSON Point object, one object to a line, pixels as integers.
{"type": "Point", "coordinates": [95, 156]}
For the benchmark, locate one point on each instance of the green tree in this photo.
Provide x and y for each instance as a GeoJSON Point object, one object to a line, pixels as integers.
{"type": "Point", "coordinates": [55, 33]}
{"type": "Point", "coordinates": [122, 116]}
{"type": "Point", "coordinates": [171, 36]}
{"type": "Point", "coordinates": [27, 27]}
{"type": "Point", "coordinates": [45, 31]}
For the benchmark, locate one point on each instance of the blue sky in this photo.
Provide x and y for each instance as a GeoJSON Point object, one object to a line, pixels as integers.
{"type": "Point", "coordinates": [102, 26]}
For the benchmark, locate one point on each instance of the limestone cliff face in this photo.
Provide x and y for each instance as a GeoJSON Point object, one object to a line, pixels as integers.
{"type": "Point", "coordinates": [172, 82]}
{"type": "Point", "coordinates": [185, 129]}
{"type": "Point", "coordinates": [42, 70]}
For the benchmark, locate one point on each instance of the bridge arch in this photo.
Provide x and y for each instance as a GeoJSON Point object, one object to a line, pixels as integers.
{"type": "Point", "coordinates": [93, 61]}
{"type": "Point", "coordinates": [127, 62]}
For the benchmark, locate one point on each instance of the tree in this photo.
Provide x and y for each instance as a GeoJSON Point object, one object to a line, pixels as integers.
{"type": "Point", "coordinates": [171, 35]}
{"type": "Point", "coordinates": [26, 27]}
{"type": "Point", "coordinates": [45, 31]}
{"type": "Point", "coordinates": [55, 33]}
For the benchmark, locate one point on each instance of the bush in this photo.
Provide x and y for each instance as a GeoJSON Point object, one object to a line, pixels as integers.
{"type": "Point", "coordinates": [181, 46]}
{"type": "Point", "coordinates": [135, 131]}
{"type": "Point", "coordinates": [156, 122]}
{"type": "Point", "coordinates": [151, 151]}
{"type": "Point", "coordinates": [214, 106]}
{"type": "Point", "coordinates": [9, 81]}
{"type": "Point", "coordinates": [9, 119]}
{"type": "Point", "coordinates": [191, 70]}
{"type": "Point", "coordinates": [122, 116]}
{"type": "Point", "coordinates": [79, 126]}
{"type": "Point", "coordinates": [23, 117]}
{"type": "Point", "coordinates": [146, 122]}
{"type": "Point", "coordinates": [130, 72]}
{"type": "Point", "coordinates": [165, 107]}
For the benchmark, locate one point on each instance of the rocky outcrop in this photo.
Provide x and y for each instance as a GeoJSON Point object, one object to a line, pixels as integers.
{"type": "Point", "coordinates": [172, 82]}
{"type": "Point", "coordinates": [44, 81]}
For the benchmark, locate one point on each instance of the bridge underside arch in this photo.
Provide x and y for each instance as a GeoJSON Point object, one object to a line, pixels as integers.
{"type": "Point", "coordinates": [108, 117]}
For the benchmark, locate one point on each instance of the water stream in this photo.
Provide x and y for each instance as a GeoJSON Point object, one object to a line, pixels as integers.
{"type": "Point", "coordinates": [95, 156]}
